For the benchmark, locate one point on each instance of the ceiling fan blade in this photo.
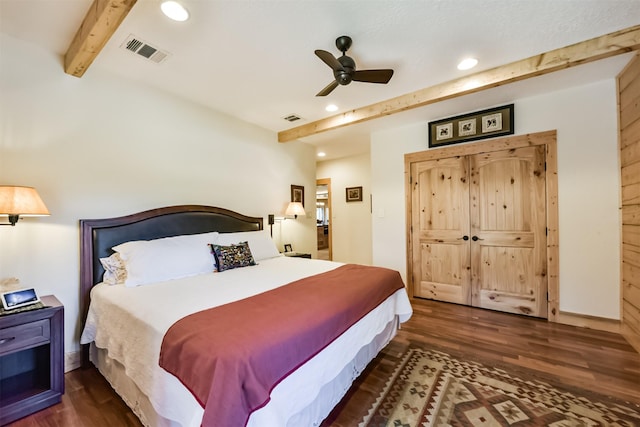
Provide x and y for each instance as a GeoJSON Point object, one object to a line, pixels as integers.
{"type": "Point", "coordinates": [327, 90]}
{"type": "Point", "coordinates": [329, 59]}
{"type": "Point", "coordinates": [373, 76]}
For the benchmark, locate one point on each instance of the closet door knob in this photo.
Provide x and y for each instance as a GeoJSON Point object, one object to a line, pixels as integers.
{"type": "Point", "coordinates": [476, 238]}
{"type": "Point", "coordinates": [465, 238]}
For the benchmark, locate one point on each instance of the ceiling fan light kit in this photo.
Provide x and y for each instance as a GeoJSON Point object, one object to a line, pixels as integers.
{"type": "Point", "coordinates": [344, 68]}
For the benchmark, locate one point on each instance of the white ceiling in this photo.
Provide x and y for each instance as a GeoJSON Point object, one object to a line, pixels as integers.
{"type": "Point", "coordinates": [253, 59]}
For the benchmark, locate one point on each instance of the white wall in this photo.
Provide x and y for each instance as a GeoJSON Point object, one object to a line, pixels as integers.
{"type": "Point", "coordinates": [387, 186]}
{"type": "Point", "coordinates": [350, 222]}
{"type": "Point", "coordinates": [100, 146]}
{"type": "Point", "coordinates": [588, 187]}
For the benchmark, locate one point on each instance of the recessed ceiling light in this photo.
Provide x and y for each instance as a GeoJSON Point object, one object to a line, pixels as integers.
{"type": "Point", "coordinates": [331, 108]}
{"type": "Point", "coordinates": [467, 64]}
{"type": "Point", "coordinates": [321, 154]}
{"type": "Point", "coordinates": [174, 10]}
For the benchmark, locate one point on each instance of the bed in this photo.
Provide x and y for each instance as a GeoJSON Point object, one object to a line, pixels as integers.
{"type": "Point", "coordinates": [128, 327]}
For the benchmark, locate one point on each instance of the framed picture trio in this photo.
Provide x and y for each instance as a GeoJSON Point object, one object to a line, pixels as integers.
{"type": "Point", "coordinates": [489, 123]}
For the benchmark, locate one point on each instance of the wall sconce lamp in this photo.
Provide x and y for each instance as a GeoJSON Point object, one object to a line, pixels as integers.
{"type": "Point", "coordinates": [271, 219]}
{"type": "Point", "coordinates": [16, 201]}
{"type": "Point", "coordinates": [294, 209]}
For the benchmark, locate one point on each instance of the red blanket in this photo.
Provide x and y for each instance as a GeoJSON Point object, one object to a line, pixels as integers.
{"type": "Point", "coordinates": [231, 357]}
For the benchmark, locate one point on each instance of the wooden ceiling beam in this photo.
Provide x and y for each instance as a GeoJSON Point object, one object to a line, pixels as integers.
{"type": "Point", "coordinates": [102, 20]}
{"type": "Point", "coordinates": [602, 47]}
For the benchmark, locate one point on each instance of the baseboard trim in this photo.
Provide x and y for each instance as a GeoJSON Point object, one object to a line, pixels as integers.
{"type": "Point", "coordinates": [591, 322]}
{"type": "Point", "coordinates": [71, 361]}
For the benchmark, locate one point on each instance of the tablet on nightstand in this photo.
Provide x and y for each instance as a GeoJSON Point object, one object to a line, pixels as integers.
{"type": "Point", "coordinates": [19, 298]}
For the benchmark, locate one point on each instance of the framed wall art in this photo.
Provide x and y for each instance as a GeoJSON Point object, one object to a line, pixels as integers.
{"type": "Point", "coordinates": [489, 123]}
{"type": "Point", "coordinates": [297, 194]}
{"type": "Point", "coordinates": [354, 194]}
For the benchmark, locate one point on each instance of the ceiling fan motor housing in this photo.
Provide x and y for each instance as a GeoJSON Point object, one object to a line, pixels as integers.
{"type": "Point", "coordinates": [345, 75]}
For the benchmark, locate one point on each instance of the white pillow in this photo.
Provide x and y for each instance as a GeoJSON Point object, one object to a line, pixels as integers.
{"type": "Point", "coordinates": [260, 243]}
{"type": "Point", "coordinates": [149, 261]}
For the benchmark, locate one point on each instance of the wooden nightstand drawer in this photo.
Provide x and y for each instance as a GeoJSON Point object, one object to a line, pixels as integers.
{"type": "Point", "coordinates": [24, 336]}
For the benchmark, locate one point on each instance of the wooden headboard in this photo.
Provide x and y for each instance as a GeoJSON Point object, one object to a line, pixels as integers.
{"type": "Point", "coordinates": [98, 236]}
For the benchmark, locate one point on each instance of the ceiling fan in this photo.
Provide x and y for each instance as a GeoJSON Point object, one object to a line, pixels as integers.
{"type": "Point", "coordinates": [344, 68]}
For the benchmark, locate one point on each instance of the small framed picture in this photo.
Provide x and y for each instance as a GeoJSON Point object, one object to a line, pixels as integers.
{"type": "Point", "coordinates": [287, 247]}
{"type": "Point", "coordinates": [354, 194]}
{"type": "Point", "coordinates": [467, 127]}
{"type": "Point", "coordinates": [297, 194]}
{"type": "Point", "coordinates": [492, 123]}
{"type": "Point", "coordinates": [444, 131]}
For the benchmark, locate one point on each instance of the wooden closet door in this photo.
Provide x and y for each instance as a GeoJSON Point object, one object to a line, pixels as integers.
{"type": "Point", "coordinates": [440, 229]}
{"type": "Point", "coordinates": [508, 231]}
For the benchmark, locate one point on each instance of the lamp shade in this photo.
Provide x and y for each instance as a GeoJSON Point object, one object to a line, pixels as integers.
{"type": "Point", "coordinates": [295, 209]}
{"type": "Point", "coordinates": [23, 201]}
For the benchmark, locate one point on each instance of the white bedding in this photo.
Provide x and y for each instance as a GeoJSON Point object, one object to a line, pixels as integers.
{"type": "Point", "coordinates": [131, 322]}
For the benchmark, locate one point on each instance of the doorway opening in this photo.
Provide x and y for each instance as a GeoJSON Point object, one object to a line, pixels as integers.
{"type": "Point", "coordinates": [323, 218]}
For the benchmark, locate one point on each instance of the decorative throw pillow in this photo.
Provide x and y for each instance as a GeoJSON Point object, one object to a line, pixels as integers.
{"type": "Point", "coordinates": [115, 272]}
{"type": "Point", "coordinates": [232, 256]}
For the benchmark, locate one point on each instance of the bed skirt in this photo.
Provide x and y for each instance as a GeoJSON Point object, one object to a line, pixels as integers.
{"type": "Point", "coordinates": [191, 412]}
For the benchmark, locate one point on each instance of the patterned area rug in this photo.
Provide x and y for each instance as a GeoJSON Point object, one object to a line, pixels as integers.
{"type": "Point", "coordinates": [430, 388]}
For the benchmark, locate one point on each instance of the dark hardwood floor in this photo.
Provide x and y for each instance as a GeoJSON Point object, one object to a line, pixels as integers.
{"type": "Point", "coordinates": [573, 357]}
{"type": "Point", "coordinates": [567, 356]}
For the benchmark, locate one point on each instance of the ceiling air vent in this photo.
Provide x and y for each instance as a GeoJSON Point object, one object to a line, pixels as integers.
{"type": "Point", "coordinates": [292, 117]}
{"type": "Point", "coordinates": [144, 49]}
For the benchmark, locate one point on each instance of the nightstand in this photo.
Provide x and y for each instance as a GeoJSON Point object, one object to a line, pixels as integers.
{"type": "Point", "coordinates": [32, 360]}
{"type": "Point", "coordinates": [297, 255]}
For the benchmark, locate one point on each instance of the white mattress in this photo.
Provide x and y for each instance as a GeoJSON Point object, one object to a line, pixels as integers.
{"type": "Point", "coordinates": [129, 323]}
